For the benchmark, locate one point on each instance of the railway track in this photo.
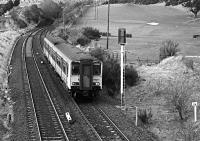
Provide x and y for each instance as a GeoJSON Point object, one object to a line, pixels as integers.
{"type": "Point", "coordinates": [18, 82]}
{"type": "Point", "coordinates": [49, 124]}
{"type": "Point", "coordinates": [50, 111]}
{"type": "Point", "coordinates": [108, 131]}
{"type": "Point", "coordinates": [105, 127]}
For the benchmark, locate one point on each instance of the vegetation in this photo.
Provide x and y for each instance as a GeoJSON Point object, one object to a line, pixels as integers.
{"type": "Point", "coordinates": [146, 2]}
{"type": "Point", "coordinates": [8, 6]}
{"type": "Point", "coordinates": [193, 6]}
{"type": "Point", "coordinates": [17, 20]}
{"type": "Point", "coordinates": [87, 34]}
{"type": "Point", "coordinates": [50, 9]}
{"type": "Point", "coordinates": [31, 14]}
{"type": "Point", "coordinates": [134, 1]}
{"type": "Point", "coordinates": [91, 33]}
{"type": "Point", "coordinates": [111, 71]}
{"type": "Point", "coordinates": [169, 48]}
{"type": "Point", "coordinates": [145, 115]}
{"type": "Point", "coordinates": [189, 132]}
{"type": "Point", "coordinates": [83, 40]}
{"type": "Point", "coordinates": [179, 92]}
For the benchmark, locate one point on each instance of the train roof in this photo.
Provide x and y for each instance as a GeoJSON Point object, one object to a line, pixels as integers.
{"type": "Point", "coordinates": [70, 51]}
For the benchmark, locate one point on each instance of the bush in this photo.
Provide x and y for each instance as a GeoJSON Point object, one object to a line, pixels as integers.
{"type": "Point", "coordinates": [146, 2]}
{"type": "Point", "coordinates": [31, 14]}
{"type": "Point", "coordinates": [178, 95]}
{"type": "Point", "coordinates": [169, 48]}
{"type": "Point", "coordinates": [19, 22]}
{"type": "Point", "coordinates": [145, 115]}
{"type": "Point", "coordinates": [83, 41]}
{"type": "Point", "coordinates": [111, 71]}
{"type": "Point", "coordinates": [91, 33]}
{"type": "Point", "coordinates": [131, 76]}
{"type": "Point", "coordinates": [189, 132]}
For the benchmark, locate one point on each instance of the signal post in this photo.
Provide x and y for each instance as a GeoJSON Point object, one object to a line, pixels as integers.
{"type": "Point", "coordinates": [122, 42]}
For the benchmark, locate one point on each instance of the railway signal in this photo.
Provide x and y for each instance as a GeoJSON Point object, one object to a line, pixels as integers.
{"type": "Point", "coordinates": [122, 42]}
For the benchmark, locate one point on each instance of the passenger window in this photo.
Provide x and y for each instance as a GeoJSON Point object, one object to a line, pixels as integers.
{"type": "Point", "coordinates": [65, 68]}
{"type": "Point", "coordinates": [96, 69]}
{"type": "Point", "coordinates": [75, 69]}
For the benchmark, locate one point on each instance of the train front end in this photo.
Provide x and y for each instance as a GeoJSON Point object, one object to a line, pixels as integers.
{"type": "Point", "coordinates": [86, 79]}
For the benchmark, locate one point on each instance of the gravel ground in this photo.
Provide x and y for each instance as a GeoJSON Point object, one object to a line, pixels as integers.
{"type": "Point", "coordinates": [108, 105]}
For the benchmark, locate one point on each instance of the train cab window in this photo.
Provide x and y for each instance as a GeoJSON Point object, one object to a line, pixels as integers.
{"type": "Point", "coordinates": [75, 68]}
{"type": "Point", "coordinates": [96, 69]}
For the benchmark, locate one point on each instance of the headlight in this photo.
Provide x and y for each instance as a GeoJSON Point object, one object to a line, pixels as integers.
{"type": "Point", "coordinates": [96, 83]}
{"type": "Point", "coordinates": [75, 83]}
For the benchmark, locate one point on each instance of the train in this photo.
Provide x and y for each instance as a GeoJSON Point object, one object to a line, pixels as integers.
{"type": "Point", "coordinates": [80, 72]}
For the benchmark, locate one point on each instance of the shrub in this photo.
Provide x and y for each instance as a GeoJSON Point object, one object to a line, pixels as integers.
{"type": "Point", "coordinates": [91, 33]}
{"type": "Point", "coordinates": [111, 71]}
{"type": "Point", "coordinates": [178, 95]}
{"type": "Point", "coordinates": [146, 2]}
{"type": "Point", "coordinates": [131, 76]}
{"type": "Point", "coordinates": [19, 22]}
{"type": "Point", "coordinates": [169, 48]}
{"type": "Point", "coordinates": [145, 115]}
{"type": "Point", "coordinates": [83, 40]}
{"type": "Point", "coordinates": [16, 2]}
{"type": "Point", "coordinates": [189, 132]}
{"type": "Point", "coordinates": [99, 53]}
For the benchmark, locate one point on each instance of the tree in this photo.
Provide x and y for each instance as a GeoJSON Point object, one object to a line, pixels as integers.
{"type": "Point", "coordinates": [179, 91]}
{"type": "Point", "coordinates": [16, 2]}
{"type": "Point", "coordinates": [50, 9]}
{"type": "Point", "coordinates": [194, 6]}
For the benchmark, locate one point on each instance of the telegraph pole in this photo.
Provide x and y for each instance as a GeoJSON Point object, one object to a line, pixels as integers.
{"type": "Point", "coordinates": [108, 24]}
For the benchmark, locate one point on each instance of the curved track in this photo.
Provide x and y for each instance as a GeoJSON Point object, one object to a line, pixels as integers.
{"type": "Point", "coordinates": [50, 126]}
{"type": "Point", "coordinates": [18, 82]}
{"type": "Point", "coordinates": [50, 106]}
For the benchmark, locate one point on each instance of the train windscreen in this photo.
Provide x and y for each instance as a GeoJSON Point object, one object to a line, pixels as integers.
{"type": "Point", "coordinates": [97, 69]}
{"type": "Point", "coordinates": [75, 68]}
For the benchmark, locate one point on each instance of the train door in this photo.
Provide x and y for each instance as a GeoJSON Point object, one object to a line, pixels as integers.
{"type": "Point", "coordinates": [86, 75]}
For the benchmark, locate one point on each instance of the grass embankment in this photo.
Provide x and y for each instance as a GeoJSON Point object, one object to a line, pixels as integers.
{"type": "Point", "coordinates": [7, 41]}
{"type": "Point", "coordinates": [171, 77]}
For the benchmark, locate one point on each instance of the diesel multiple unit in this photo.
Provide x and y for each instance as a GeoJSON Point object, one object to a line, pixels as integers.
{"type": "Point", "coordinates": [81, 72]}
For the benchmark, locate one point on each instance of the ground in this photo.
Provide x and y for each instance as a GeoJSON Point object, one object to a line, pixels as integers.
{"type": "Point", "coordinates": [174, 23]}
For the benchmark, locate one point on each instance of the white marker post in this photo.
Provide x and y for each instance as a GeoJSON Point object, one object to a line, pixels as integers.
{"type": "Point", "coordinates": [136, 116]}
{"type": "Point", "coordinates": [68, 116]}
{"type": "Point", "coordinates": [194, 104]}
{"type": "Point", "coordinates": [122, 42]}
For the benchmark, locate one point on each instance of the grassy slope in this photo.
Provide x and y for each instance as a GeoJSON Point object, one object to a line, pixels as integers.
{"type": "Point", "coordinates": [146, 41]}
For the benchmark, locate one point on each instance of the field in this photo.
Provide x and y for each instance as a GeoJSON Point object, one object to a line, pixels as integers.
{"type": "Point", "coordinates": [174, 23]}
